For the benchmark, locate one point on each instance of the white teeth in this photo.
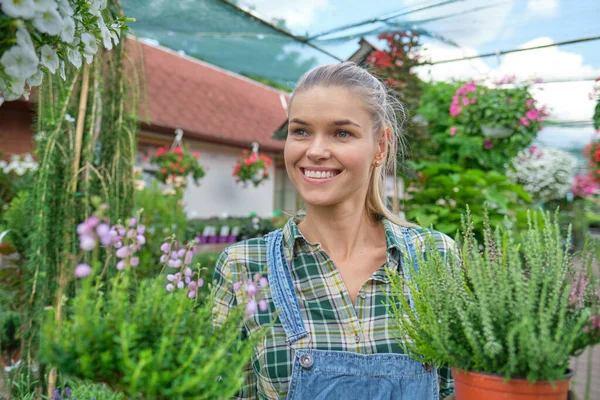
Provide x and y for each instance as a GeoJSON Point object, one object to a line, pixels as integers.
{"type": "Point", "coordinates": [319, 174]}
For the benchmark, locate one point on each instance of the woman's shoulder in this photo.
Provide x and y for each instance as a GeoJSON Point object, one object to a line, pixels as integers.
{"type": "Point", "coordinates": [249, 255]}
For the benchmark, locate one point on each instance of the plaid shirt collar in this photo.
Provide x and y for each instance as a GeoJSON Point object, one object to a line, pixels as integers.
{"type": "Point", "coordinates": [396, 247]}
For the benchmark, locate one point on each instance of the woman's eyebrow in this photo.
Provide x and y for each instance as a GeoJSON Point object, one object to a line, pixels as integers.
{"type": "Point", "coordinates": [299, 121]}
{"type": "Point", "coordinates": [345, 122]}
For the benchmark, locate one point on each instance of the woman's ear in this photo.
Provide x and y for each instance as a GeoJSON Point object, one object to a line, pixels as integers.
{"type": "Point", "coordinates": [382, 144]}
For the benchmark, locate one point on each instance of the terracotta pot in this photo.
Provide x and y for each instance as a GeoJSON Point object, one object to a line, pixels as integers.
{"type": "Point", "coordinates": [478, 386]}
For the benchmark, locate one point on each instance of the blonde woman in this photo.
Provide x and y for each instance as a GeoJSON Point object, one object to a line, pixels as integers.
{"type": "Point", "coordinates": [333, 337]}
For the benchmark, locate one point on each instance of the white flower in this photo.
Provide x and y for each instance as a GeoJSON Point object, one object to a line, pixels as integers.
{"type": "Point", "coordinates": [24, 39]}
{"type": "Point", "coordinates": [20, 62]}
{"type": "Point", "coordinates": [48, 22]}
{"type": "Point", "coordinates": [35, 80]}
{"type": "Point", "coordinates": [68, 32]}
{"type": "Point", "coordinates": [44, 5]}
{"type": "Point", "coordinates": [95, 8]}
{"type": "Point", "coordinates": [1, 99]}
{"type": "Point", "coordinates": [65, 8]}
{"type": "Point", "coordinates": [74, 57]}
{"type": "Point", "coordinates": [49, 58]}
{"type": "Point", "coordinates": [18, 8]}
{"type": "Point", "coordinates": [17, 89]}
{"type": "Point", "coordinates": [106, 37]}
{"type": "Point", "coordinates": [89, 41]}
{"type": "Point", "coordinates": [68, 118]}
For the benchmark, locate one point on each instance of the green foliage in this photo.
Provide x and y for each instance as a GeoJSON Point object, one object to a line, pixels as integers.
{"type": "Point", "coordinates": [456, 128]}
{"type": "Point", "coordinates": [147, 343]}
{"type": "Point", "coordinates": [443, 191]}
{"type": "Point", "coordinates": [518, 307]}
{"type": "Point", "coordinates": [162, 217]}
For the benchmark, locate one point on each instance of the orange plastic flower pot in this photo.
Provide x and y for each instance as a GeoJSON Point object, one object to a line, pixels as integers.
{"type": "Point", "coordinates": [479, 386]}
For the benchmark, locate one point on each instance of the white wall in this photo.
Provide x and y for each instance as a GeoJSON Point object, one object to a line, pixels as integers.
{"type": "Point", "coordinates": [218, 193]}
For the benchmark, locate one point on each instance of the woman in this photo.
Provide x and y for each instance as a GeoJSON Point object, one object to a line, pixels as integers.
{"type": "Point", "coordinates": [333, 337]}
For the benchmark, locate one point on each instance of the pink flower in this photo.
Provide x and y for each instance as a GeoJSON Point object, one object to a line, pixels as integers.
{"type": "Point", "coordinates": [488, 144]}
{"type": "Point", "coordinates": [465, 101]}
{"type": "Point", "coordinates": [263, 282]}
{"type": "Point", "coordinates": [454, 110]}
{"type": "Point", "coordinates": [533, 149]}
{"type": "Point", "coordinates": [251, 308]}
{"type": "Point", "coordinates": [529, 103]}
{"type": "Point", "coordinates": [455, 100]}
{"type": "Point", "coordinates": [473, 100]}
{"type": "Point", "coordinates": [524, 121]}
{"type": "Point", "coordinates": [262, 305]}
{"type": "Point", "coordinates": [82, 270]}
{"type": "Point", "coordinates": [251, 289]}
{"type": "Point", "coordinates": [532, 114]}
{"type": "Point", "coordinates": [453, 131]}
{"type": "Point", "coordinates": [470, 87]}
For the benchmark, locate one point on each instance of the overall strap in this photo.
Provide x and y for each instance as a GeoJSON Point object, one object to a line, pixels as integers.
{"type": "Point", "coordinates": [282, 288]}
{"type": "Point", "coordinates": [412, 255]}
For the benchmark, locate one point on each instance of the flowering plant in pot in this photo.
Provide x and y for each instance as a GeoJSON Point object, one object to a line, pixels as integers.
{"type": "Point", "coordinates": [592, 153]}
{"type": "Point", "coordinates": [252, 167]}
{"type": "Point", "coordinates": [43, 36]}
{"type": "Point", "coordinates": [175, 164]}
{"type": "Point", "coordinates": [502, 312]}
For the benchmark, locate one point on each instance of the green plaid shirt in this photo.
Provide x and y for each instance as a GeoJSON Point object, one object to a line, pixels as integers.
{"type": "Point", "coordinates": [334, 322]}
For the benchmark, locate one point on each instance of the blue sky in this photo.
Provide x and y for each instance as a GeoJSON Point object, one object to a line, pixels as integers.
{"type": "Point", "coordinates": [508, 25]}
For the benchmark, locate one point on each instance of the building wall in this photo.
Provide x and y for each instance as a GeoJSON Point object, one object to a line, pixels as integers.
{"type": "Point", "coordinates": [16, 131]}
{"type": "Point", "coordinates": [217, 193]}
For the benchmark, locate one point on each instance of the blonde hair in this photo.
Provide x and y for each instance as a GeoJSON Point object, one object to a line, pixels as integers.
{"type": "Point", "coordinates": [388, 115]}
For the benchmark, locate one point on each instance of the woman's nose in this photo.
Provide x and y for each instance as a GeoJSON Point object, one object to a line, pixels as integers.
{"type": "Point", "coordinates": [318, 149]}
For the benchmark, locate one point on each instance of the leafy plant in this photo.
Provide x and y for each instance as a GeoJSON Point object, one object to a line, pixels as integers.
{"type": "Point", "coordinates": [519, 306]}
{"type": "Point", "coordinates": [443, 191]}
{"type": "Point", "coordinates": [177, 162]}
{"type": "Point", "coordinates": [592, 153]}
{"type": "Point", "coordinates": [252, 168]}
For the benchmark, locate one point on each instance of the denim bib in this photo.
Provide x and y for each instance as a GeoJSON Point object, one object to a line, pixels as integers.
{"type": "Point", "coordinates": [343, 375]}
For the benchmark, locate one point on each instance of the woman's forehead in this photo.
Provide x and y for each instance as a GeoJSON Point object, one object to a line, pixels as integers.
{"type": "Point", "coordinates": [329, 103]}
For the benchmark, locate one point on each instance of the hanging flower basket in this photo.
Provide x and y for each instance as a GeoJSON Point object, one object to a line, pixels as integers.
{"type": "Point", "coordinates": [496, 132]}
{"type": "Point", "coordinates": [252, 168]}
{"type": "Point", "coordinates": [175, 165]}
{"type": "Point", "coordinates": [592, 152]}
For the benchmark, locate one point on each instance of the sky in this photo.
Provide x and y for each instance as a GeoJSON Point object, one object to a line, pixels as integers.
{"type": "Point", "coordinates": [508, 24]}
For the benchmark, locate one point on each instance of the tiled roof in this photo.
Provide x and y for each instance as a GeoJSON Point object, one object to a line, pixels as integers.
{"type": "Point", "coordinates": [208, 103]}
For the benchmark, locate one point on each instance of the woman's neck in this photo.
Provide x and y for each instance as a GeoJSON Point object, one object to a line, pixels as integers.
{"type": "Point", "coordinates": [340, 230]}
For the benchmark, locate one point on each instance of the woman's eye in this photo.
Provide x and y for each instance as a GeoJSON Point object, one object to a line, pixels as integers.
{"type": "Point", "coordinates": [343, 134]}
{"type": "Point", "coordinates": [299, 132]}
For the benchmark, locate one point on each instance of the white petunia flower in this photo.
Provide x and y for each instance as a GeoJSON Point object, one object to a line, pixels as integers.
{"type": "Point", "coordinates": [48, 22]}
{"type": "Point", "coordinates": [90, 43]}
{"type": "Point", "coordinates": [64, 7]}
{"type": "Point", "coordinates": [49, 58]}
{"type": "Point", "coordinates": [24, 39]}
{"type": "Point", "coordinates": [20, 62]}
{"type": "Point", "coordinates": [17, 89]}
{"type": "Point", "coordinates": [95, 7]}
{"type": "Point", "coordinates": [18, 8]}
{"type": "Point", "coordinates": [74, 57]}
{"type": "Point", "coordinates": [106, 38]}
{"type": "Point", "coordinates": [68, 32]}
{"type": "Point", "coordinates": [35, 80]}
{"type": "Point", "coordinates": [44, 5]}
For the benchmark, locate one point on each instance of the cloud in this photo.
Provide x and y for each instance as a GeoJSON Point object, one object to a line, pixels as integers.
{"type": "Point", "coordinates": [297, 14]}
{"type": "Point", "coordinates": [567, 101]}
{"type": "Point", "coordinates": [543, 8]}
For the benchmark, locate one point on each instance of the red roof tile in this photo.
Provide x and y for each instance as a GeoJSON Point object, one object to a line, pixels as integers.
{"type": "Point", "coordinates": [208, 103]}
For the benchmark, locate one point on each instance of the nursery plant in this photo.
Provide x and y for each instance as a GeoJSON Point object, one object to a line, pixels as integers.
{"type": "Point", "coordinates": [252, 168]}
{"type": "Point", "coordinates": [513, 307]}
{"type": "Point", "coordinates": [147, 338]}
{"type": "Point", "coordinates": [177, 162]}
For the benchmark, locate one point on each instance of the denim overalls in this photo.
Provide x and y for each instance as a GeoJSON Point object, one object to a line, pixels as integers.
{"type": "Point", "coordinates": [325, 374]}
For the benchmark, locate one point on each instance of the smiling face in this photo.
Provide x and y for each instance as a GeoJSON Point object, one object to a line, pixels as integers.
{"type": "Point", "coordinates": [331, 146]}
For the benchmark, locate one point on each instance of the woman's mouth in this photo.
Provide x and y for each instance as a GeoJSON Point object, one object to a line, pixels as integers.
{"type": "Point", "coordinates": [322, 175]}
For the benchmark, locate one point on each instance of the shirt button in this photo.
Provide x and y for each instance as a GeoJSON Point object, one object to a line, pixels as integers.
{"type": "Point", "coordinates": [306, 361]}
{"type": "Point", "coordinates": [357, 338]}
{"type": "Point", "coordinates": [363, 295]}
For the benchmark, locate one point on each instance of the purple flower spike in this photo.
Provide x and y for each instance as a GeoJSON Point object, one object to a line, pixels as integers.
{"type": "Point", "coordinates": [200, 282]}
{"type": "Point", "coordinates": [135, 261]}
{"type": "Point", "coordinates": [121, 265]}
{"type": "Point", "coordinates": [122, 252]}
{"type": "Point", "coordinates": [181, 253]}
{"type": "Point", "coordinates": [180, 285]}
{"type": "Point", "coordinates": [83, 229]}
{"type": "Point", "coordinates": [106, 240]}
{"type": "Point", "coordinates": [87, 243]}
{"type": "Point", "coordinates": [174, 255]}
{"type": "Point", "coordinates": [192, 294]}
{"type": "Point", "coordinates": [263, 282]}
{"type": "Point", "coordinates": [237, 286]}
{"type": "Point", "coordinates": [171, 263]}
{"type": "Point", "coordinates": [141, 229]}
{"type": "Point", "coordinates": [163, 258]}
{"type": "Point", "coordinates": [187, 272]}
{"type": "Point", "coordinates": [92, 221]}
{"type": "Point", "coordinates": [118, 245]}
{"type": "Point", "coordinates": [141, 239]}
{"type": "Point", "coordinates": [262, 305]}
{"type": "Point", "coordinates": [251, 308]}
{"type": "Point", "coordinates": [251, 289]}
{"type": "Point", "coordinates": [121, 231]}
{"type": "Point", "coordinates": [131, 233]}
{"type": "Point", "coordinates": [67, 392]}
{"type": "Point", "coordinates": [187, 280]}
{"type": "Point", "coordinates": [169, 287]}
{"type": "Point", "coordinates": [113, 232]}
{"type": "Point", "coordinates": [189, 255]}
{"type": "Point", "coordinates": [176, 263]}
{"type": "Point", "coordinates": [82, 270]}
{"type": "Point", "coordinates": [193, 286]}
{"type": "Point", "coordinates": [165, 247]}
{"type": "Point", "coordinates": [170, 277]}
{"type": "Point", "coordinates": [102, 229]}
{"type": "Point", "coordinates": [132, 222]}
